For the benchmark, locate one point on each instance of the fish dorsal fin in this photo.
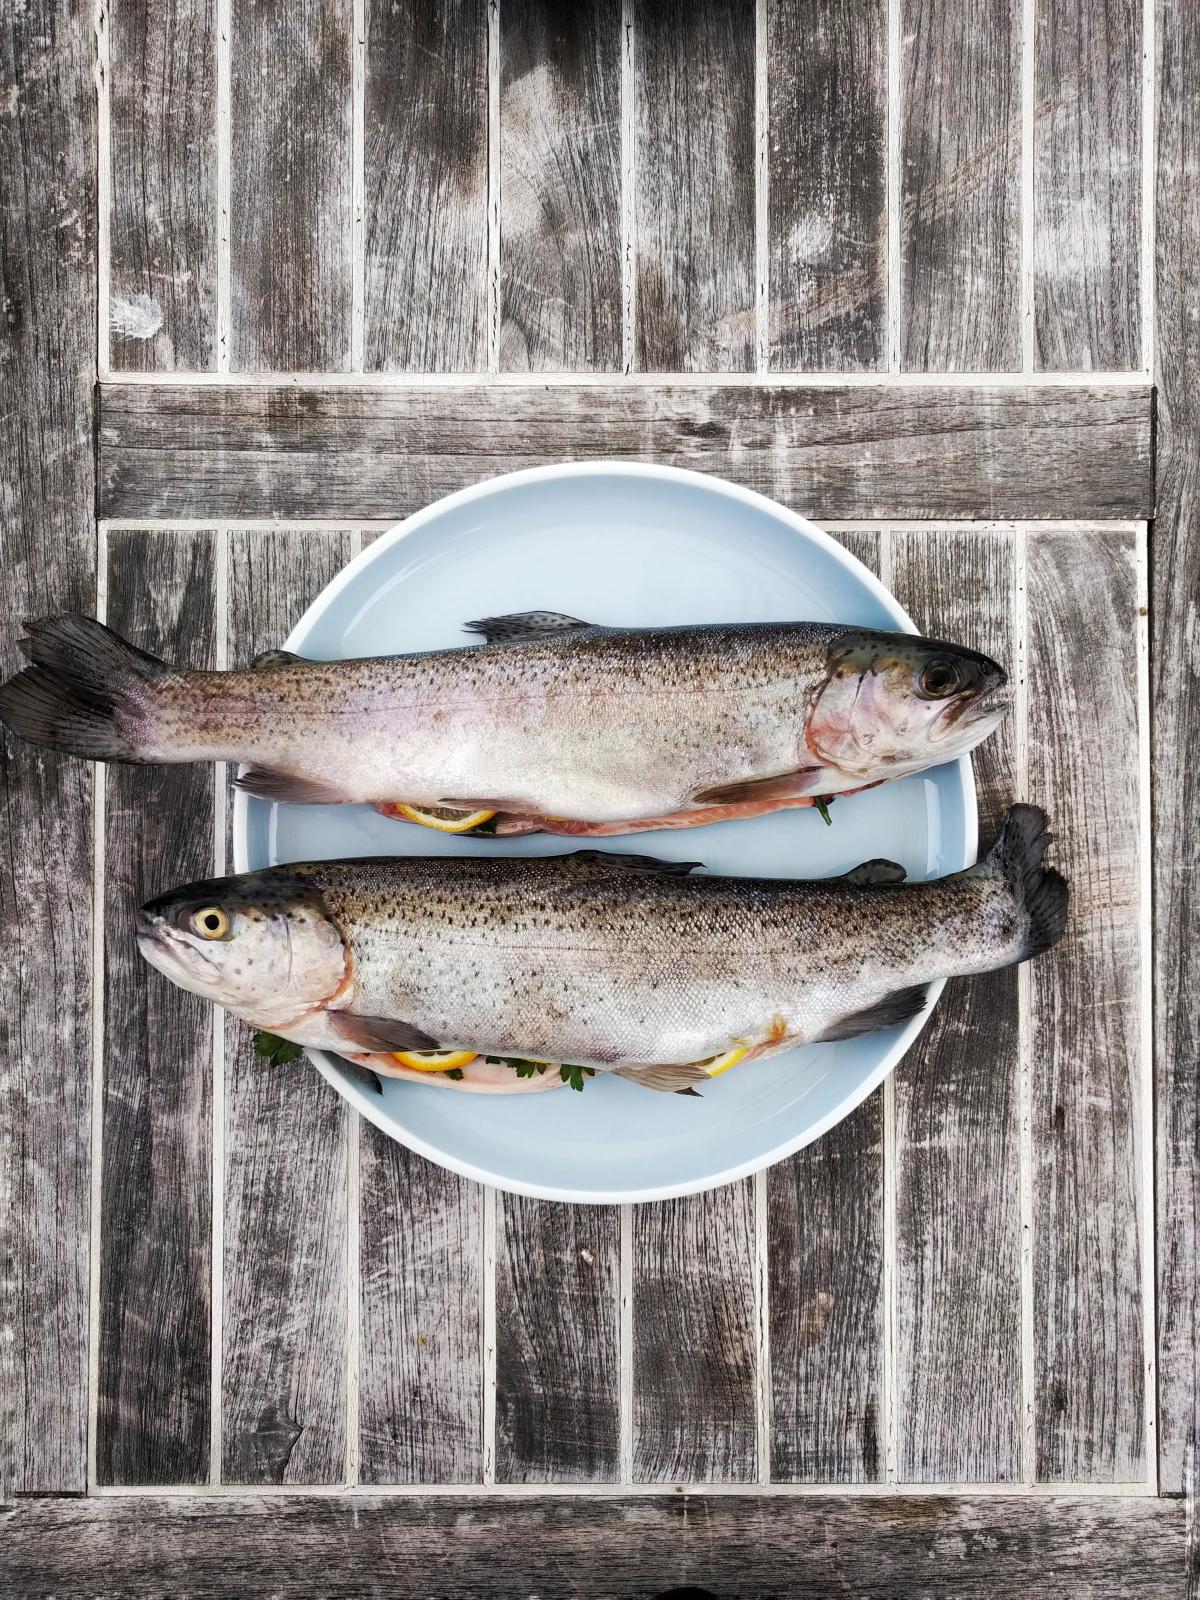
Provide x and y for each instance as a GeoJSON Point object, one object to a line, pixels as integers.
{"type": "Point", "coordinates": [266, 659]}
{"type": "Point", "coordinates": [522, 625]}
{"type": "Point", "coordinates": [620, 861]}
{"type": "Point", "coordinates": [876, 872]}
{"type": "Point", "coordinates": [889, 1012]}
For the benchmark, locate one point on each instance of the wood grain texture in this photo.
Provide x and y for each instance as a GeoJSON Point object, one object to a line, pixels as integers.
{"type": "Point", "coordinates": [163, 227]}
{"type": "Point", "coordinates": [1085, 1015]}
{"type": "Point", "coordinates": [958, 1224]}
{"type": "Point", "coordinates": [47, 531]}
{"type": "Point", "coordinates": [825, 1265]}
{"type": "Point", "coordinates": [156, 1198]}
{"type": "Point", "coordinates": [284, 1316]}
{"type": "Point", "coordinates": [859, 452]}
{"type": "Point", "coordinates": [426, 186]}
{"type": "Point", "coordinates": [557, 1342]}
{"type": "Point", "coordinates": [1087, 185]}
{"type": "Point", "coordinates": [827, 191]}
{"type": "Point", "coordinates": [560, 187]}
{"type": "Point", "coordinates": [927, 1548]}
{"type": "Point", "coordinates": [421, 1319]}
{"type": "Point", "coordinates": [1175, 732]}
{"type": "Point", "coordinates": [694, 1362]}
{"type": "Point", "coordinates": [694, 200]}
{"type": "Point", "coordinates": [290, 195]}
{"type": "Point", "coordinates": [960, 168]}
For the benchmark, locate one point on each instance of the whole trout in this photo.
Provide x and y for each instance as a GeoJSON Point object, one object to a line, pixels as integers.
{"type": "Point", "coordinates": [611, 962]}
{"type": "Point", "coordinates": [552, 724]}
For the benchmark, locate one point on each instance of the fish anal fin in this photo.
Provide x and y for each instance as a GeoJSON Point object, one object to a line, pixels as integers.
{"type": "Point", "coordinates": [875, 873]}
{"type": "Point", "coordinates": [666, 1077]}
{"type": "Point", "coordinates": [287, 786]}
{"type": "Point", "coordinates": [623, 861]}
{"type": "Point", "coordinates": [895, 1008]}
{"type": "Point", "coordinates": [784, 786]}
{"type": "Point", "coordinates": [388, 1034]}
{"type": "Point", "coordinates": [266, 659]}
{"type": "Point", "coordinates": [523, 625]}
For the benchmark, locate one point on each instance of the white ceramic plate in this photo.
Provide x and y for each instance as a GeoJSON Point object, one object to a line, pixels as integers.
{"type": "Point", "coordinates": [640, 546]}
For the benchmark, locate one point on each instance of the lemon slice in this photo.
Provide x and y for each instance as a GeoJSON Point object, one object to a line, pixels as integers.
{"type": "Point", "coordinates": [444, 818]}
{"type": "Point", "coordinates": [715, 1065]}
{"type": "Point", "coordinates": [434, 1060]}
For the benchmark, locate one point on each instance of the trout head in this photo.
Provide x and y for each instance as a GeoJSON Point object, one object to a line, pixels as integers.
{"type": "Point", "coordinates": [260, 944]}
{"type": "Point", "coordinates": [891, 703]}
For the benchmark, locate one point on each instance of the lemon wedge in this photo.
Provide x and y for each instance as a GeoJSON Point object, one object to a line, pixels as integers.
{"type": "Point", "coordinates": [434, 1060]}
{"type": "Point", "coordinates": [444, 818]}
{"type": "Point", "coordinates": [715, 1065]}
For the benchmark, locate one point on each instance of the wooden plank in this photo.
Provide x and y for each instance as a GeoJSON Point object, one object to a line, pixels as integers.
{"type": "Point", "coordinates": [827, 190]}
{"type": "Point", "coordinates": [1087, 185]}
{"type": "Point", "coordinates": [284, 1313]}
{"type": "Point", "coordinates": [694, 200]}
{"type": "Point", "coordinates": [426, 186]}
{"type": "Point", "coordinates": [290, 186]}
{"type": "Point", "coordinates": [557, 1342]}
{"type": "Point", "coordinates": [960, 171]}
{"type": "Point", "coordinates": [156, 1201]}
{"type": "Point", "coordinates": [932, 1547]}
{"type": "Point", "coordinates": [1085, 1015]}
{"type": "Point", "coordinates": [1175, 730]}
{"type": "Point", "coordinates": [560, 187]}
{"type": "Point", "coordinates": [694, 1361]}
{"type": "Point", "coordinates": [163, 225]}
{"type": "Point", "coordinates": [421, 1338]}
{"type": "Point", "coordinates": [851, 453]}
{"type": "Point", "coordinates": [47, 367]}
{"type": "Point", "coordinates": [957, 1392]}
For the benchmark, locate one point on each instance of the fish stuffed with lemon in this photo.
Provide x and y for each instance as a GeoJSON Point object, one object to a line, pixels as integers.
{"type": "Point", "coordinates": [552, 725]}
{"type": "Point", "coordinates": [505, 975]}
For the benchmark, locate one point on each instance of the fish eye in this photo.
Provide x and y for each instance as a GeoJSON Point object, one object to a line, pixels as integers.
{"type": "Point", "coordinates": [210, 922]}
{"type": "Point", "coordinates": [939, 678]}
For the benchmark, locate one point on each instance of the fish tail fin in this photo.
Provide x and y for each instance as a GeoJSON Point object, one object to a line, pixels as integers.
{"type": "Point", "coordinates": [85, 692]}
{"type": "Point", "coordinates": [1041, 893]}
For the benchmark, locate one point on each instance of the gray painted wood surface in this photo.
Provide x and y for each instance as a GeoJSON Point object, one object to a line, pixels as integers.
{"type": "Point", "coordinates": [284, 1322]}
{"type": "Point", "coordinates": [827, 185]}
{"type": "Point", "coordinates": [290, 186]}
{"type": "Point", "coordinates": [960, 169]}
{"type": "Point", "coordinates": [931, 1548]}
{"type": "Point", "coordinates": [694, 203]}
{"type": "Point", "coordinates": [47, 538]}
{"type": "Point", "coordinates": [156, 1191]}
{"type": "Point", "coordinates": [1085, 1039]}
{"type": "Point", "coordinates": [1175, 731]}
{"type": "Point", "coordinates": [558, 1353]}
{"type": "Point", "coordinates": [861, 452]}
{"type": "Point", "coordinates": [426, 186]}
{"type": "Point", "coordinates": [162, 310]}
{"type": "Point", "coordinates": [957, 1397]}
{"type": "Point", "coordinates": [560, 187]}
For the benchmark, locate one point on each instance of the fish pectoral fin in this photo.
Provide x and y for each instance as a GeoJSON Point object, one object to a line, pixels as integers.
{"type": "Point", "coordinates": [667, 1077]}
{"type": "Point", "coordinates": [379, 1033]}
{"type": "Point", "coordinates": [527, 625]}
{"type": "Point", "coordinates": [266, 659]}
{"type": "Point", "coordinates": [876, 872]}
{"type": "Point", "coordinates": [286, 786]}
{"type": "Point", "coordinates": [623, 861]}
{"type": "Point", "coordinates": [784, 786]}
{"type": "Point", "coordinates": [890, 1012]}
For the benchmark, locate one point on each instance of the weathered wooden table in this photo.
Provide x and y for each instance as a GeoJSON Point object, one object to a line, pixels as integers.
{"type": "Point", "coordinates": [927, 272]}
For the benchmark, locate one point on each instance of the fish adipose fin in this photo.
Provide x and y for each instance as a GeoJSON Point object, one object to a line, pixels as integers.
{"type": "Point", "coordinates": [784, 786]}
{"type": "Point", "coordinates": [668, 1078]}
{"type": "Point", "coordinates": [84, 693]}
{"type": "Point", "coordinates": [889, 1012]}
{"type": "Point", "coordinates": [265, 660]}
{"type": "Point", "coordinates": [285, 786]}
{"type": "Point", "coordinates": [1041, 893]}
{"type": "Point", "coordinates": [619, 861]}
{"type": "Point", "coordinates": [524, 625]}
{"type": "Point", "coordinates": [876, 873]}
{"type": "Point", "coordinates": [378, 1033]}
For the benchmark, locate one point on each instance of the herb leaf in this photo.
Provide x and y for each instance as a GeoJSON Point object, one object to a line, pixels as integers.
{"type": "Point", "coordinates": [575, 1075]}
{"type": "Point", "coordinates": [276, 1050]}
{"type": "Point", "coordinates": [822, 806]}
{"type": "Point", "coordinates": [455, 1073]}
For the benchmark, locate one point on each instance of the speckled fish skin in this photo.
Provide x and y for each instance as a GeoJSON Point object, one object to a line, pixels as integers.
{"type": "Point", "coordinates": [615, 961]}
{"type": "Point", "coordinates": [586, 724]}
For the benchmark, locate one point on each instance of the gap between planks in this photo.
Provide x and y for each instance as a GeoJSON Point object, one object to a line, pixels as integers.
{"type": "Point", "coordinates": [830, 525]}
{"type": "Point", "coordinates": [1027, 1457]}
{"type": "Point", "coordinates": [887, 1276]}
{"type": "Point", "coordinates": [646, 380]}
{"type": "Point", "coordinates": [1147, 1154]}
{"type": "Point", "coordinates": [1028, 80]}
{"type": "Point", "coordinates": [224, 181]}
{"type": "Point", "coordinates": [217, 1247]}
{"type": "Point", "coordinates": [894, 278]}
{"type": "Point", "coordinates": [102, 74]}
{"type": "Point", "coordinates": [95, 1150]}
{"type": "Point", "coordinates": [628, 189]}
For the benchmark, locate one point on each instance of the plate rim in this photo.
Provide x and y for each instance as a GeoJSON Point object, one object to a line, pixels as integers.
{"type": "Point", "coordinates": [365, 1103]}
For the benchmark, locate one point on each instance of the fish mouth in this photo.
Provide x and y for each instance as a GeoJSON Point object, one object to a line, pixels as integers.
{"type": "Point", "coordinates": [166, 949]}
{"type": "Point", "coordinates": [973, 719]}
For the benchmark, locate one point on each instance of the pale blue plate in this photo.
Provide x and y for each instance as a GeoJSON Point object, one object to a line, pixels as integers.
{"type": "Point", "coordinates": [641, 546]}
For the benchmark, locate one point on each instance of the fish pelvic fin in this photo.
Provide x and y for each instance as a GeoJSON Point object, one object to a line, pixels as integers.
{"type": "Point", "coordinates": [524, 625]}
{"type": "Point", "coordinates": [86, 692]}
{"type": "Point", "coordinates": [1041, 893]}
{"type": "Point", "coordinates": [666, 1077]}
{"type": "Point", "coordinates": [889, 1012]}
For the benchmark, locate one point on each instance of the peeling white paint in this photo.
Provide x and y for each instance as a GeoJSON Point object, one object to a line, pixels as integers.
{"type": "Point", "coordinates": [137, 316]}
